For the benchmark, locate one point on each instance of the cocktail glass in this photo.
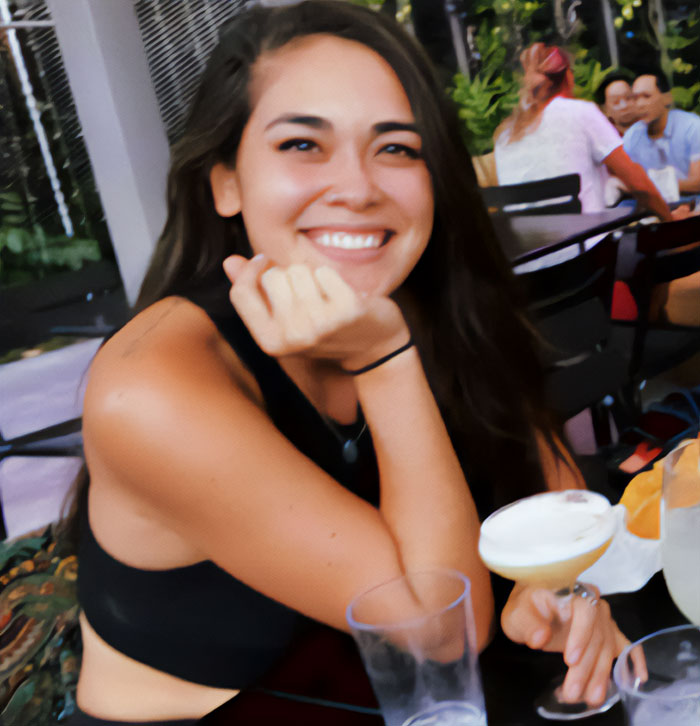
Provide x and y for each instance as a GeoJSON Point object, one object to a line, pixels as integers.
{"type": "Point", "coordinates": [680, 527]}
{"type": "Point", "coordinates": [548, 540]}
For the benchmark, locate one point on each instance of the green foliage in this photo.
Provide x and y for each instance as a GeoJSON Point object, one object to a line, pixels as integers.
{"type": "Point", "coordinates": [483, 103]}
{"type": "Point", "coordinates": [28, 252]}
{"type": "Point", "coordinates": [687, 99]}
{"type": "Point", "coordinates": [486, 100]}
{"type": "Point", "coordinates": [588, 75]}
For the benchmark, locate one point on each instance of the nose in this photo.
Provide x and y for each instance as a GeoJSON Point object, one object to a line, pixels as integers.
{"type": "Point", "coordinates": [351, 182]}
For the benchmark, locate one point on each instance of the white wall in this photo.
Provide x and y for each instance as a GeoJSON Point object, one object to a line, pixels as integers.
{"type": "Point", "coordinates": [125, 137]}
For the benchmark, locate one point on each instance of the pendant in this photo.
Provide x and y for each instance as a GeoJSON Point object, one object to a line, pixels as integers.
{"type": "Point", "coordinates": [350, 452]}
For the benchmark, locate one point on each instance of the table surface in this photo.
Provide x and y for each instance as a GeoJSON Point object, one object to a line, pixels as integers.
{"type": "Point", "coordinates": [526, 237]}
{"type": "Point", "coordinates": [323, 682]}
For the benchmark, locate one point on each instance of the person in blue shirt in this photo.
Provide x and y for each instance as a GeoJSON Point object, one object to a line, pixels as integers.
{"type": "Point", "coordinates": [664, 137]}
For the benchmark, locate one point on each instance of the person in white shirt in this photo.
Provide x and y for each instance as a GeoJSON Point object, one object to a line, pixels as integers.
{"type": "Point", "coordinates": [550, 134]}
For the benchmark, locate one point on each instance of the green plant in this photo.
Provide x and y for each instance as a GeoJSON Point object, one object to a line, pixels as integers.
{"type": "Point", "coordinates": [588, 75]}
{"type": "Point", "coordinates": [486, 100]}
{"type": "Point", "coordinates": [28, 252]}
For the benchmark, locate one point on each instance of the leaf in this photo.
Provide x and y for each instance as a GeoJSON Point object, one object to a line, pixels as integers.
{"type": "Point", "coordinates": [16, 239]}
{"type": "Point", "coordinates": [676, 42]}
{"type": "Point", "coordinates": [14, 219]}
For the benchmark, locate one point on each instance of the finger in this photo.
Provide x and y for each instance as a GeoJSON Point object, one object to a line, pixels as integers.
{"type": "Point", "coordinates": [639, 663]}
{"type": "Point", "coordinates": [586, 613]}
{"type": "Point", "coordinates": [577, 676]}
{"type": "Point", "coordinates": [291, 317]}
{"type": "Point", "coordinates": [527, 618]}
{"type": "Point", "coordinates": [599, 679]}
{"type": "Point", "coordinates": [308, 294]}
{"type": "Point", "coordinates": [245, 292]}
{"type": "Point", "coordinates": [341, 298]}
{"type": "Point", "coordinates": [233, 266]}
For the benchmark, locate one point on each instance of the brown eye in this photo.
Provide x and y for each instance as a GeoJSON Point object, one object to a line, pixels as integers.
{"type": "Point", "coordinates": [401, 150]}
{"type": "Point", "coordinates": [298, 144]}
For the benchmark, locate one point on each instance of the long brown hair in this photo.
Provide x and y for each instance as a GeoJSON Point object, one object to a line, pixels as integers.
{"type": "Point", "coordinates": [463, 307]}
{"type": "Point", "coordinates": [546, 75]}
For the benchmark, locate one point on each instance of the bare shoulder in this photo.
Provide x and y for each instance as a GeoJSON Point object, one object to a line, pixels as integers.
{"type": "Point", "coordinates": [168, 362]}
{"type": "Point", "coordinates": [162, 347]}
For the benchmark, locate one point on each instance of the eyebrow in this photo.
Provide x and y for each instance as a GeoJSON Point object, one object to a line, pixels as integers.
{"type": "Point", "coordinates": [317, 122]}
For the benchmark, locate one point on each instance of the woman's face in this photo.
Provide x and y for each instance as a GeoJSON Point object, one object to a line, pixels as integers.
{"type": "Point", "coordinates": [329, 168]}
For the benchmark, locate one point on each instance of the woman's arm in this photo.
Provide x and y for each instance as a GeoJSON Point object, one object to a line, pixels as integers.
{"type": "Point", "coordinates": [637, 182]}
{"type": "Point", "coordinates": [691, 184]}
{"type": "Point", "coordinates": [170, 427]}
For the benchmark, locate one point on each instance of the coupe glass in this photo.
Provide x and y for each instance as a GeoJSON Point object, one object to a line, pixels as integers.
{"type": "Point", "coordinates": [548, 540]}
{"type": "Point", "coordinates": [680, 527]}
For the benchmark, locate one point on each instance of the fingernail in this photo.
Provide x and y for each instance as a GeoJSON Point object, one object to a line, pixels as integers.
{"type": "Point", "coordinates": [538, 638]}
{"type": "Point", "coordinates": [573, 691]}
{"type": "Point", "coordinates": [258, 257]}
{"type": "Point", "coordinates": [597, 695]}
{"type": "Point", "coordinates": [574, 657]}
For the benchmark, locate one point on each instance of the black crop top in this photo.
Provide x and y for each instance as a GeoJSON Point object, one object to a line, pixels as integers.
{"type": "Point", "coordinates": [198, 622]}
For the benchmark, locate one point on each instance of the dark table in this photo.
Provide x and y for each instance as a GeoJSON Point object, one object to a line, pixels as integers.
{"type": "Point", "coordinates": [323, 681]}
{"type": "Point", "coordinates": [526, 237]}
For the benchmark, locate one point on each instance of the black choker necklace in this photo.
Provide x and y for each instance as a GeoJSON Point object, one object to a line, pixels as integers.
{"type": "Point", "coordinates": [350, 451]}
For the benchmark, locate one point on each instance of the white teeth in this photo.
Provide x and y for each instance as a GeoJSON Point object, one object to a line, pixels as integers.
{"type": "Point", "coordinates": [346, 241]}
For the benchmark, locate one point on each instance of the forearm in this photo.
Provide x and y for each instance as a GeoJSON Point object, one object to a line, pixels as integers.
{"type": "Point", "coordinates": [425, 500]}
{"type": "Point", "coordinates": [637, 182]}
{"type": "Point", "coordinates": [689, 186]}
{"type": "Point", "coordinates": [648, 197]}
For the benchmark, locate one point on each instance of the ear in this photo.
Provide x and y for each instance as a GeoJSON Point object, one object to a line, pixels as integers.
{"type": "Point", "coordinates": [224, 188]}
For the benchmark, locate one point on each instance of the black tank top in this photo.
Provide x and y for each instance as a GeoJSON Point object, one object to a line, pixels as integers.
{"type": "Point", "coordinates": [198, 622]}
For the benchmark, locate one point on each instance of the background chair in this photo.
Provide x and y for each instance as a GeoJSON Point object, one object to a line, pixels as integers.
{"type": "Point", "coordinates": [62, 439]}
{"type": "Point", "coordinates": [557, 195]}
{"type": "Point", "coordinates": [670, 251]}
{"type": "Point", "coordinates": [570, 303]}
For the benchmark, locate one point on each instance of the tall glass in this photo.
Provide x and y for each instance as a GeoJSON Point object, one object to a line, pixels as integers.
{"type": "Point", "coordinates": [417, 638]}
{"type": "Point", "coordinates": [680, 527]}
{"type": "Point", "coordinates": [659, 678]}
{"type": "Point", "coordinates": [548, 540]}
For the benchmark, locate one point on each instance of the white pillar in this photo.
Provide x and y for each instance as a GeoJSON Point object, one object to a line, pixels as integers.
{"type": "Point", "coordinates": [124, 134]}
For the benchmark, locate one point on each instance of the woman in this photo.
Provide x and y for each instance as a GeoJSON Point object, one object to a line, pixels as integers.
{"type": "Point", "coordinates": [231, 447]}
{"type": "Point", "coordinates": [551, 134]}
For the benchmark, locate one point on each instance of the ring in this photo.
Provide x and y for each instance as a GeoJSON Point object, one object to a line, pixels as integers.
{"type": "Point", "coordinates": [586, 594]}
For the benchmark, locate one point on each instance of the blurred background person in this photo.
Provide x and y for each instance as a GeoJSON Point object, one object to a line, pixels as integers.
{"type": "Point", "coordinates": [550, 134]}
{"type": "Point", "coordinates": [665, 140]}
{"type": "Point", "coordinates": [616, 100]}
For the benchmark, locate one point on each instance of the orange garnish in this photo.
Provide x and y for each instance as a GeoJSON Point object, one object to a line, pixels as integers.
{"type": "Point", "coordinates": [642, 499]}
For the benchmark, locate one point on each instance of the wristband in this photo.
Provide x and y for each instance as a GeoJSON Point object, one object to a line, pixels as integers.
{"type": "Point", "coordinates": [382, 360]}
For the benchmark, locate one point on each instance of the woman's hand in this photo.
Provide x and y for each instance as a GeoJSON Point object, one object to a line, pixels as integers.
{"type": "Point", "coordinates": [582, 629]}
{"type": "Point", "coordinates": [313, 311]}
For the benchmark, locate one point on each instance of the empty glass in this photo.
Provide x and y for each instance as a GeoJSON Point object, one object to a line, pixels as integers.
{"type": "Point", "coordinates": [417, 639]}
{"type": "Point", "coordinates": [659, 678]}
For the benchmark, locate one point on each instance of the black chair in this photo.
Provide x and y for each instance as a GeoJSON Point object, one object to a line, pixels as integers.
{"type": "Point", "coordinates": [557, 195]}
{"type": "Point", "coordinates": [61, 439]}
{"type": "Point", "coordinates": [84, 303]}
{"type": "Point", "coordinates": [570, 303]}
{"type": "Point", "coordinates": [669, 251]}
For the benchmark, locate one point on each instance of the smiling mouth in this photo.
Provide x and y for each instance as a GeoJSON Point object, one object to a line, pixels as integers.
{"type": "Point", "coordinates": [352, 241]}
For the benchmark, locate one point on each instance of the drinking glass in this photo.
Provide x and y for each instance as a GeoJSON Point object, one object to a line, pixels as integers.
{"type": "Point", "coordinates": [680, 528]}
{"type": "Point", "coordinates": [548, 540]}
{"type": "Point", "coordinates": [659, 678]}
{"type": "Point", "coordinates": [417, 638]}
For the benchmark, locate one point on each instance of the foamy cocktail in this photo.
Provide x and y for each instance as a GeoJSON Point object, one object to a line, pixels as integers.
{"type": "Point", "coordinates": [547, 539]}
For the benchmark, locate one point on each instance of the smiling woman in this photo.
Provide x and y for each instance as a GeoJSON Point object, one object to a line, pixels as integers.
{"type": "Point", "coordinates": [323, 173]}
